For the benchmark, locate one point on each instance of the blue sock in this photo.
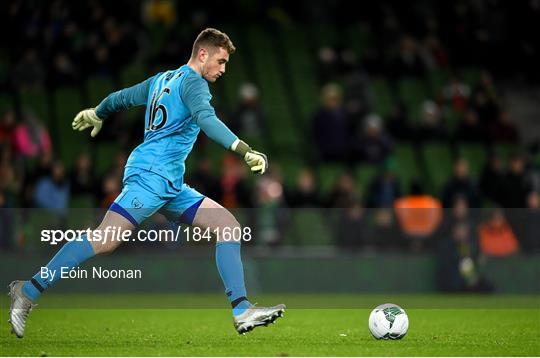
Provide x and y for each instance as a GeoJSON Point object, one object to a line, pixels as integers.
{"type": "Point", "coordinates": [230, 269]}
{"type": "Point", "coordinates": [71, 255]}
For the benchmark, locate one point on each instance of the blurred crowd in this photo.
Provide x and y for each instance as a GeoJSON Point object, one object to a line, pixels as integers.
{"type": "Point", "coordinates": [494, 214]}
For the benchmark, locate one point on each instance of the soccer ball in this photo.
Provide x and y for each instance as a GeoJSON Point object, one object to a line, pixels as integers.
{"type": "Point", "coordinates": [388, 321]}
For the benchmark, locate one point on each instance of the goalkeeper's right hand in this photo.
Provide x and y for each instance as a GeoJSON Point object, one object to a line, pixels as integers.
{"type": "Point", "coordinates": [258, 162]}
{"type": "Point", "coordinates": [86, 119]}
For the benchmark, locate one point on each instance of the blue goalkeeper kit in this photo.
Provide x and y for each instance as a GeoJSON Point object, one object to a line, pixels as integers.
{"type": "Point", "coordinates": [177, 108]}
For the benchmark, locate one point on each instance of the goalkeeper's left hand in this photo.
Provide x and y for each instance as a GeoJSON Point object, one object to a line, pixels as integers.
{"type": "Point", "coordinates": [86, 119]}
{"type": "Point", "coordinates": [258, 162]}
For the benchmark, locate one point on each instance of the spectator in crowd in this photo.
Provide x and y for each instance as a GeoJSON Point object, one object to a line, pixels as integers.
{"type": "Point", "coordinates": [111, 188]}
{"type": "Point", "coordinates": [9, 185]}
{"type": "Point", "coordinates": [385, 188]}
{"type": "Point", "coordinates": [516, 185]}
{"type": "Point", "coordinates": [29, 73]}
{"type": "Point", "coordinates": [457, 93]}
{"type": "Point", "coordinates": [485, 100]}
{"type": "Point", "coordinates": [330, 125]}
{"type": "Point", "coordinates": [7, 234]}
{"type": "Point", "coordinates": [434, 52]}
{"type": "Point", "coordinates": [306, 193]}
{"type": "Point", "coordinates": [373, 145]}
{"type": "Point", "coordinates": [270, 201]}
{"type": "Point", "coordinates": [397, 123]}
{"type": "Point", "coordinates": [530, 240]}
{"type": "Point", "coordinates": [497, 238]}
{"type": "Point", "coordinates": [431, 125]}
{"type": "Point", "coordinates": [461, 184]}
{"type": "Point", "coordinates": [31, 138]}
{"type": "Point", "coordinates": [343, 192]}
{"type": "Point", "coordinates": [408, 61]}
{"type": "Point", "coordinates": [52, 191]}
{"type": "Point", "coordinates": [358, 97]}
{"type": "Point", "coordinates": [504, 130]}
{"type": "Point", "coordinates": [64, 71]}
{"type": "Point", "coordinates": [82, 178]}
{"type": "Point", "coordinates": [458, 257]}
{"type": "Point", "coordinates": [204, 180]}
{"type": "Point", "coordinates": [7, 130]}
{"type": "Point", "coordinates": [492, 180]}
{"type": "Point", "coordinates": [234, 187]}
{"type": "Point", "coordinates": [469, 129]}
{"type": "Point", "coordinates": [419, 215]}
{"type": "Point", "coordinates": [385, 232]}
{"type": "Point", "coordinates": [249, 118]}
{"type": "Point", "coordinates": [351, 227]}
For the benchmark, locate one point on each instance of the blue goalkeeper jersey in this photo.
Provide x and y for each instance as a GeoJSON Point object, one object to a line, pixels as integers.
{"type": "Point", "coordinates": [177, 108]}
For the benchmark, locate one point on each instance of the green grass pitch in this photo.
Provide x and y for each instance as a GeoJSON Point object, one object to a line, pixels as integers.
{"type": "Point", "coordinates": [314, 325]}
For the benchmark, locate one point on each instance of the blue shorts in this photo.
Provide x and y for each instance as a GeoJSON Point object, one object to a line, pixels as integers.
{"type": "Point", "coordinates": [146, 193]}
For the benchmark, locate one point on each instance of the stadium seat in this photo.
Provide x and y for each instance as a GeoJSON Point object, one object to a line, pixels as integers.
{"type": "Point", "coordinates": [476, 155]}
{"type": "Point", "coordinates": [360, 38]}
{"type": "Point", "coordinates": [383, 99]}
{"type": "Point", "coordinates": [438, 78]}
{"type": "Point", "coordinates": [282, 127]}
{"type": "Point", "coordinates": [68, 103]}
{"type": "Point", "coordinates": [36, 102]}
{"type": "Point", "coordinates": [413, 93]}
{"type": "Point", "coordinates": [437, 158]}
{"type": "Point", "coordinates": [506, 151]}
{"type": "Point", "coordinates": [302, 68]}
{"type": "Point", "coordinates": [471, 75]}
{"type": "Point", "coordinates": [98, 89]}
{"type": "Point", "coordinates": [365, 173]}
{"type": "Point", "coordinates": [105, 153]}
{"type": "Point", "coordinates": [133, 74]}
{"type": "Point", "coordinates": [6, 102]}
{"type": "Point", "coordinates": [406, 163]}
{"type": "Point", "coordinates": [308, 227]}
{"type": "Point", "coordinates": [327, 175]}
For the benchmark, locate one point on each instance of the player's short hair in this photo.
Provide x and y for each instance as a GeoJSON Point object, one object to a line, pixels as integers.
{"type": "Point", "coordinates": [212, 38]}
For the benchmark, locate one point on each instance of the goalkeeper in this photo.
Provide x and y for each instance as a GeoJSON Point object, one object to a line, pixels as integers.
{"type": "Point", "coordinates": [177, 108]}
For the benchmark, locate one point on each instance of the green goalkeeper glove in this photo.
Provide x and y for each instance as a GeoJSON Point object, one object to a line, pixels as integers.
{"type": "Point", "coordinates": [86, 119]}
{"type": "Point", "coordinates": [258, 162]}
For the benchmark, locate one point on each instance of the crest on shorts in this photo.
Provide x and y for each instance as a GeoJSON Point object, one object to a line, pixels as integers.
{"type": "Point", "coordinates": [136, 204]}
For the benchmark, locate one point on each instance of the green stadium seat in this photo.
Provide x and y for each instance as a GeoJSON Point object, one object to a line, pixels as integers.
{"type": "Point", "coordinates": [283, 128]}
{"type": "Point", "coordinates": [133, 74]}
{"type": "Point", "coordinates": [105, 153]}
{"type": "Point", "coordinates": [438, 78]}
{"type": "Point", "coordinates": [438, 160]}
{"type": "Point", "coordinates": [413, 92]}
{"type": "Point", "coordinates": [406, 165]}
{"type": "Point", "coordinates": [36, 102]}
{"type": "Point", "coordinates": [471, 75]}
{"type": "Point", "coordinates": [328, 174]}
{"type": "Point", "coordinates": [98, 89]}
{"type": "Point", "coordinates": [506, 151]}
{"type": "Point", "coordinates": [302, 68]}
{"type": "Point", "coordinates": [383, 99]}
{"type": "Point", "coordinates": [309, 227]}
{"type": "Point", "coordinates": [360, 38]}
{"type": "Point", "coordinates": [68, 103]}
{"type": "Point", "coordinates": [365, 173]}
{"type": "Point", "coordinates": [290, 170]}
{"type": "Point", "coordinates": [6, 102]}
{"type": "Point", "coordinates": [476, 155]}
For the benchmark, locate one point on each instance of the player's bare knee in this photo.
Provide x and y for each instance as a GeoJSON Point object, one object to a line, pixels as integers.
{"type": "Point", "coordinates": [230, 230]}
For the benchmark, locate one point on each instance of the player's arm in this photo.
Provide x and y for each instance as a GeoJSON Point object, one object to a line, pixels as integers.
{"type": "Point", "coordinates": [136, 95]}
{"type": "Point", "coordinates": [196, 96]}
